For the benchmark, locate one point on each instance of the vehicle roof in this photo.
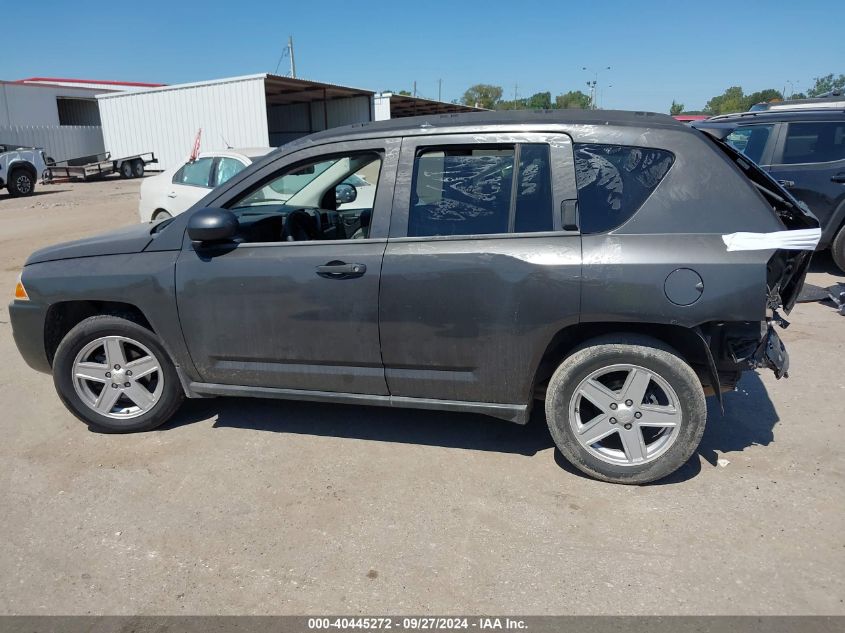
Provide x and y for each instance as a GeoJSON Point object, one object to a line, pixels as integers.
{"type": "Point", "coordinates": [449, 123]}
{"type": "Point", "coordinates": [775, 116]}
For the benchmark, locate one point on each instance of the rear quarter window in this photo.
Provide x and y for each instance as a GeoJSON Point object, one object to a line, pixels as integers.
{"type": "Point", "coordinates": [614, 181]}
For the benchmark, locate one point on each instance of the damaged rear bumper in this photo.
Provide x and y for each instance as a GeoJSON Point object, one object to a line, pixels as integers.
{"type": "Point", "coordinates": [771, 354]}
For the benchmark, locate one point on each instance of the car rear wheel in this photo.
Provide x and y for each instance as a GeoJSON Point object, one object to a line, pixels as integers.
{"type": "Point", "coordinates": [21, 183]}
{"type": "Point", "coordinates": [115, 376]}
{"type": "Point", "coordinates": [626, 409]}
{"type": "Point", "coordinates": [837, 249]}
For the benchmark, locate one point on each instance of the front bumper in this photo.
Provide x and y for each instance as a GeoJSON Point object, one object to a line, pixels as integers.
{"type": "Point", "coordinates": [28, 331]}
{"type": "Point", "coordinates": [772, 354]}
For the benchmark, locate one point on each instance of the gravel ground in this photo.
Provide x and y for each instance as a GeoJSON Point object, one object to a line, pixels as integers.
{"type": "Point", "coordinates": [268, 507]}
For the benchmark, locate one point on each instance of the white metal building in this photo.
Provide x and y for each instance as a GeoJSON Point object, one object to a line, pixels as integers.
{"type": "Point", "coordinates": [59, 115]}
{"type": "Point", "coordinates": [249, 111]}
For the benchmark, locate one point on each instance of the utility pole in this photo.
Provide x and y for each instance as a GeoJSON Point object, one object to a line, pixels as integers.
{"type": "Point", "coordinates": [415, 88]}
{"type": "Point", "coordinates": [592, 85]}
{"type": "Point", "coordinates": [439, 89]}
{"type": "Point", "coordinates": [292, 62]}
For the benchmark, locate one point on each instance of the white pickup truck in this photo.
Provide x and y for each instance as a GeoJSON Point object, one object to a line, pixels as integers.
{"type": "Point", "coordinates": [20, 168]}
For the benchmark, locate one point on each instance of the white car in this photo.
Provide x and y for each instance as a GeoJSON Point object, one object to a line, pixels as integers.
{"type": "Point", "coordinates": [179, 188]}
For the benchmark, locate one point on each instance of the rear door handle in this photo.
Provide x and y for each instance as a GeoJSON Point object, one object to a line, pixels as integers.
{"type": "Point", "coordinates": [569, 215]}
{"type": "Point", "coordinates": [172, 194]}
{"type": "Point", "coordinates": [786, 184]}
{"type": "Point", "coordinates": [341, 270]}
{"type": "Point", "coordinates": [840, 178]}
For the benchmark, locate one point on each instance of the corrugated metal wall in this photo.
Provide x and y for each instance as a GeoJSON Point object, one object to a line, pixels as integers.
{"type": "Point", "coordinates": [165, 121]}
{"type": "Point", "coordinates": [289, 122]}
{"type": "Point", "coordinates": [33, 104]}
{"type": "Point", "coordinates": [59, 143]}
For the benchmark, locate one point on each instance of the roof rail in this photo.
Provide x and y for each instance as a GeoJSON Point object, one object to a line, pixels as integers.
{"type": "Point", "coordinates": [776, 112]}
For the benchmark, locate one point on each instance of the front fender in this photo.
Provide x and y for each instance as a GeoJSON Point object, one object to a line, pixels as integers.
{"type": "Point", "coordinates": [142, 280]}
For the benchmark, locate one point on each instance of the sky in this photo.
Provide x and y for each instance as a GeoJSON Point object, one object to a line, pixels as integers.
{"type": "Point", "coordinates": [657, 51]}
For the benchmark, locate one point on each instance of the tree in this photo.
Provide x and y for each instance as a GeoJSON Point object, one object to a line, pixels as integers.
{"type": "Point", "coordinates": [483, 96]}
{"type": "Point", "coordinates": [763, 96]}
{"type": "Point", "coordinates": [735, 100]}
{"type": "Point", "coordinates": [404, 93]}
{"type": "Point", "coordinates": [573, 99]}
{"type": "Point", "coordinates": [537, 101]}
{"type": "Point", "coordinates": [826, 84]}
{"type": "Point", "coordinates": [540, 101]}
{"type": "Point", "coordinates": [676, 108]}
{"type": "Point", "coordinates": [731, 100]}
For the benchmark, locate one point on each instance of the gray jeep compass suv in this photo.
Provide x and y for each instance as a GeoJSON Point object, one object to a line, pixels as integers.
{"type": "Point", "coordinates": [598, 261]}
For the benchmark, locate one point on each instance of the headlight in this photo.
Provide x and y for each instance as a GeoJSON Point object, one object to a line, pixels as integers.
{"type": "Point", "coordinates": [20, 291]}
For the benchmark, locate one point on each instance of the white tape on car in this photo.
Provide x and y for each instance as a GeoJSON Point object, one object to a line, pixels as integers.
{"type": "Point", "coordinates": [798, 240]}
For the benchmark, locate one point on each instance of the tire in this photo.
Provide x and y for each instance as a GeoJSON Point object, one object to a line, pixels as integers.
{"type": "Point", "coordinates": [138, 168]}
{"type": "Point", "coordinates": [132, 348]}
{"type": "Point", "coordinates": [161, 214]}
{"type": "Point", "coordinates": [634, 443]}
{"type": "Point", "coordinates": [126, 170]}
{"type": "Point", "coordinates": [837, 249]}
{"type": "Point", "coordinates": [21, 183]}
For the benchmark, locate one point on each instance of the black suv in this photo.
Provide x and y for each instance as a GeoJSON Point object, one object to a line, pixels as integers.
{"type": "Point", "coordinates": [594, 260]}
{"type": "Point", "coordinates": [805, 151]}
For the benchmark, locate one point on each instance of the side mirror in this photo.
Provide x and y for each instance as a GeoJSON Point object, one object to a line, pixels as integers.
{"type": "Point", "coordinates": [212, 225]}
{"type": "Point", "coordinates": [345, 193]}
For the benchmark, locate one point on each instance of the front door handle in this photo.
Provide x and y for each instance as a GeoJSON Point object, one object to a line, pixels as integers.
{"type": "Point", "coordinates": [341, 270]}
{"type": "Point", "coordinates": [840, 178]}
{"type": "Point", "coordinates": [172, 194]}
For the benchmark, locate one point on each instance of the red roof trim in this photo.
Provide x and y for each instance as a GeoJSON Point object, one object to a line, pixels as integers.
{"type": "Point", "coordinates": [89, 81]}
{"type": "Point", "coordinates": [690, 117]}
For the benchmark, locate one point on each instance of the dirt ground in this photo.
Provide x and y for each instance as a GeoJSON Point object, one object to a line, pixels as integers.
{"type": "Point", "coordinates": [249, 506]}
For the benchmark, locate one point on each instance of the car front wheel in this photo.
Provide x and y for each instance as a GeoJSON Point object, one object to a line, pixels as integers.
{"type": "Point", "coordinates": [21, 183]}
{"type": "Point", "coordinates": [626, 409]}
{"type": "Point", "coordinates": [115, 376]}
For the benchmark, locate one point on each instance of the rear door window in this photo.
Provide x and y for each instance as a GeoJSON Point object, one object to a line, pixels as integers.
{"type": "Point", "coordinates": [196, 173]}
{"type": "Point", "coordinates": [816, 142]}
{"type": "Point", "coordinates": [475, 190]}
{"type": "Point", "coordinates": [614, 181]}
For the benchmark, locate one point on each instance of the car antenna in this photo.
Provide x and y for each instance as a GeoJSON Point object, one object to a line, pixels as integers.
{"type": "Point", "coordinates": [225, 142]}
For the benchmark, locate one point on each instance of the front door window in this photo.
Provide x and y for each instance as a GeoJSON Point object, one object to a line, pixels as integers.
{"type": "Point", "coordinates": [329, 198]}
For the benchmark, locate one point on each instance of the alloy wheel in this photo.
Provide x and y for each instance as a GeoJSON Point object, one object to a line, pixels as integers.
{"type": "Point", "coordinates": [118, 377]}
{"type": "Point", "coordinates": [625, 414]}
